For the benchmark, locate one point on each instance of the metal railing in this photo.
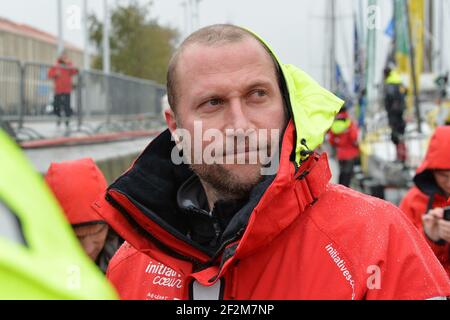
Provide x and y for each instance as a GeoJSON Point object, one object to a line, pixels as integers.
{"type": "Point", "coordinates": [99, 102]}
{"type": "Point", "coordinates": [10, 88]}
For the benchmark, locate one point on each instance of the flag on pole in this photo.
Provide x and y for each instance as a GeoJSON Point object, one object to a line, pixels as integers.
{"type": "Point", "coordinates": [390, 29]}
{"type": "Point", "coordinates": [417, 17]}
{"type": "Point", "coordinates": [401, 34]}
{"type": "Point", "coordinates": [416, 12]}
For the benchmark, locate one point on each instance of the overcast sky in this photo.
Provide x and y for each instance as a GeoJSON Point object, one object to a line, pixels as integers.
{"type": "Point", "coordinates": [294, 28]}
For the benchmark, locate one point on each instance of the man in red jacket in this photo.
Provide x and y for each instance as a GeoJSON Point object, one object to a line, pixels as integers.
{"type": "Point", "coordinates": [343, 136]}
{"type": "Point", "coordinates": [61, 73]}
{"type": "Point", "coordinates": [231, 230]}
{"type": "Point", "coordinates": [424, 203]}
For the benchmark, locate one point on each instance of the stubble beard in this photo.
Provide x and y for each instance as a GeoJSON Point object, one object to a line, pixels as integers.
{"type": "Point", "coordinates": [225, 183]}
{"type": "Point", "coordinates": [228, 181]}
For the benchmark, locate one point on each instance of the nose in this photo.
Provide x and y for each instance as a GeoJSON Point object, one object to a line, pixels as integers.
{"type": "Point", "coordinates": [236, 116]}
{"type": "Point", "coordinates": [90, 248]}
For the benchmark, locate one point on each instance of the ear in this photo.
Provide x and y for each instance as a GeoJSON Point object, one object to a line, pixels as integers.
{"type": "Point", "coordinates": [171, 121]}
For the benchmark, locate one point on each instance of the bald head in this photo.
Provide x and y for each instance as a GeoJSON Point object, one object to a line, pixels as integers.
{"type": "Point", "coordinates": [211, 36]}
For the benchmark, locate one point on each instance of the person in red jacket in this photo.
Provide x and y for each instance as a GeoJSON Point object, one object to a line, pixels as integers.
{"type": "Point", "coordinates": [76, 184]}
{"type": "Point", "coordinates": [424, 203]}
{"type": "Point", "coordinates": [61, 74]}
{"type": "Point", "coordinates": [343, 136]}
{"type": "Point", "coordinates": [198, 230]}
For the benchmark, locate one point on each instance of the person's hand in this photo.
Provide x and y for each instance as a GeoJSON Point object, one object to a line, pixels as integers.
{"type": "Point", "coordinates": [431, 223]}
{"type": "Point", "coordinates": [444, 230]}
{"type": "Point", "coordinates": [435, 227]}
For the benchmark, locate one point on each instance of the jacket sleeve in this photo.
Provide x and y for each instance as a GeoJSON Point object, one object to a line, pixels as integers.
{"type": "Point", "coordinates": [331, 138]}
{"type": "Point", "coordinates": [71, 70]}
{"type": "Point", "coordinates": [407, 208]}
{"type": "Point", "coordinates": [354, 134]}
{"type": "Point", "coordinates": [414, 209]}
{"type": "Point", "coordinates": [74, 71]}
{"type": "Point", "coordinates": [52, 73]}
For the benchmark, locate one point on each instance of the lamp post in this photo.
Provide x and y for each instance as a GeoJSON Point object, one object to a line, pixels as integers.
{"type": "Point", "coordinates": [106, 48]}
{"type": "Point", "coordinates": [60, 47]}
{"type": "Point", "coordinates": [86, 61]}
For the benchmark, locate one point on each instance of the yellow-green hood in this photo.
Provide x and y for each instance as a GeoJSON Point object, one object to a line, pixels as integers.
{"type": "Point", "coordinates": [313, 107]}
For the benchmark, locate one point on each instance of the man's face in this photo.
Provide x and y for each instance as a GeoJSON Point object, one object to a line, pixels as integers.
{"type": "Point", "coordinates": [92, 238]}
{"type": "Point", "coordinates": [232, 88]}
{"type": "Point", "coordinates": [442, 178]}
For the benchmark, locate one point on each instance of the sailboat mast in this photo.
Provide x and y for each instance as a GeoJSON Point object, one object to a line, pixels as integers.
{"type": "Point", "coordinates": [429, 44]}
{"type": "Point", "coordinates": [361, 21]}
{"type": "Point", "coordinates": [441, 38]}
{"type": "Point", "coordinates": [412, 60]}
{"type": "Point", "coordinates": [333, 47]}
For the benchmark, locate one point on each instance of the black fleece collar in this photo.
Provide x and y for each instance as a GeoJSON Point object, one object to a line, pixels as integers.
{"type": "Point", "coordinates": [206, 227]}
{"type": "Point", "coordinates": [192, 195]}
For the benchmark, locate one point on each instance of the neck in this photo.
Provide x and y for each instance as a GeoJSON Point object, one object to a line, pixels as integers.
{"type": "Point", "coordinates": [213, 195]}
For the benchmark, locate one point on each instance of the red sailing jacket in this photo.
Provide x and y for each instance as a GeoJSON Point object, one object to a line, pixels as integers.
{"type": "Point", "coordinates": [346, 143]}
{"type": "Point", "coordinates": [426, 195]}
{"type": "Point", "coordinates": [62, 75]}
{"type": "Point", "coordinates": [76, 184]}
{"type": "Point", "coordinates": [298, 237]}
